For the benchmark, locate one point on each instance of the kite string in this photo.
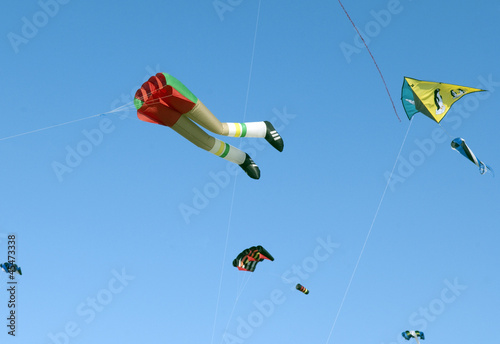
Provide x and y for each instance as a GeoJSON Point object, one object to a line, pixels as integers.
{"type": "Point", "coordinates": [123, 107]}
{"type": "Point", "coordinates": [224, 260]}
{"type": "Point", "coordinates": [367, 236]}
{"type": "Point", "coordinates": [238, 294]}
{"type": "Point", "coordinates": [451, 137]}
{"type": "Point", "coordinates": [118, 109]}
{"type": "Point", "coordinates": [373, 58]}
{"type": "Point", "coordinates": [46, 128]}
{"type": "Point", "coordinates": [234, 188]}
{"type": "Point", "coordinates": [251, 65]}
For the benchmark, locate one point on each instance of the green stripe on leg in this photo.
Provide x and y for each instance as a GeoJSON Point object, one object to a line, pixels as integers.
{"type": "Point", "coordinates": [226, 151]}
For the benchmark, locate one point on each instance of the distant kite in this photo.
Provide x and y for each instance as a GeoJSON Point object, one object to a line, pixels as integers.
{"type": "Point", "coordinates": [460, 146]}
{"type": "Point", "coordinates": [301, 288]}
{"type": "Point", "coordinates": [413, 334]}
{"type": "Point", "coordinates": [11, 268]}
{"type": "Point", "coordinates": [165, 100]}
{"type": "Point", "coordinates": [248, 259]}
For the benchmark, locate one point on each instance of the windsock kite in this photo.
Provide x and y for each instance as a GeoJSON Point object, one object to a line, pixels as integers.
{"type": "Point", "coordinates": [460, 146]}
{"type": "Point", "coordinates": [301, 288]}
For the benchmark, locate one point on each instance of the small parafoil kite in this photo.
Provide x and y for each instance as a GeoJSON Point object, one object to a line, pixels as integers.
{"type": "Point", "coordinates": [248, 259]}
{"type": "Point", "coordinates": [460, 146]}
{"type": "Point", "coordinates": [10, 268]}
{"type": "Point", "coordinates": [166, 101]}
{"type": "Point", "coordinates": [413, 334]}
{"type": "Point", "coordinates": [301, 288]}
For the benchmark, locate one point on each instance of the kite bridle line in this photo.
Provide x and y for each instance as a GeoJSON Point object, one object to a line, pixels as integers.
{"type": "Point", "coordinates": [375, 62]}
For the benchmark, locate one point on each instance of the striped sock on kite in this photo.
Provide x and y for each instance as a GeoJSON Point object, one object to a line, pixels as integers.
{"type": "Point", "coordinates": [256, 129]}
{"type": "Point", "coordinates": [228, 152]}
{"type": "Point", "coordinates": [233, 154]}
{"type": "Point", "coordinates": [250, 129]}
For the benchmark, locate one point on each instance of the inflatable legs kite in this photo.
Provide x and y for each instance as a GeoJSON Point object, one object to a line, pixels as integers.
{"type": "Point", "coordinates": [165, 100]}
{"type": "Point", "coordinates": [460, 146]}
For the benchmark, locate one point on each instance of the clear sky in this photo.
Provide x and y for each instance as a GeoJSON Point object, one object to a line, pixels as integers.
{"type": "Point", "coordinates": [126, 232]}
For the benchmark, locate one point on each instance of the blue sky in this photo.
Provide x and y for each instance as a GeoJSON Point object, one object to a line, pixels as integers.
{"type": "Point", "coordinates": [126, 232]}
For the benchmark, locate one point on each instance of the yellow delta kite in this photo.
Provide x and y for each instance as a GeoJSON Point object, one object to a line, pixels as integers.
{"type": "Point", "coordinates": [433, 99]}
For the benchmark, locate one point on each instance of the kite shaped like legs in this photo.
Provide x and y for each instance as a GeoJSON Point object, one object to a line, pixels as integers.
{"type": "Point", "coordinates": [187, 127]}
{"type": "Point", "coordinates": [264, 129]}
{"type": "Point", "coordinates": [166, 101]}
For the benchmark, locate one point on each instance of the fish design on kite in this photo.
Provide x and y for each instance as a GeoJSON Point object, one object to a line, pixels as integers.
{"type": "Point", "coordinates": [166, 101]}
{"type": "Point", "coordinates": [247, 260]}
{"type": "Point", "coordinates": [460, 146]}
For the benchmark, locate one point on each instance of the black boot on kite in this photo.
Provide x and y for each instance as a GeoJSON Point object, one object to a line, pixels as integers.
{"type": "Point", "coordinates": [250, 168]}
{"type": "Point", "coordinates": [273, 137]}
